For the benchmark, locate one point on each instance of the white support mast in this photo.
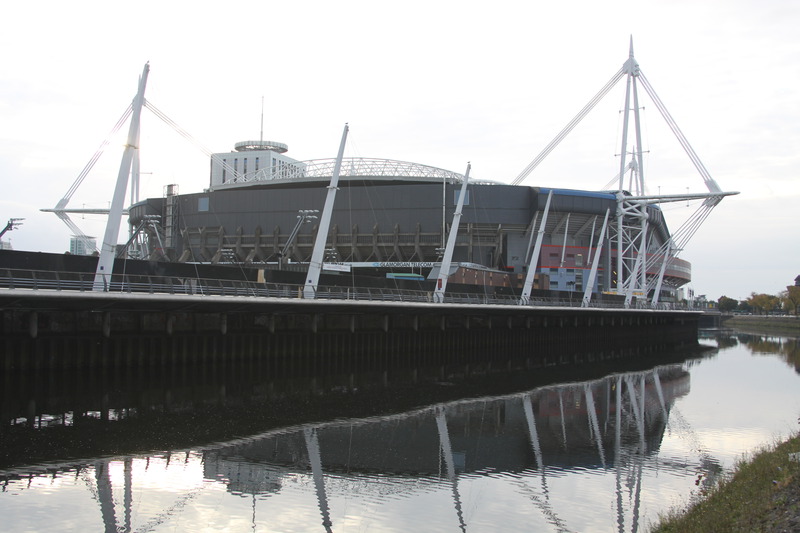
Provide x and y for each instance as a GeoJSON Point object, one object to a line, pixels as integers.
{"type": "Point", "coordinates": [665, 259]}
{"type": "Point", "coordinates": [444, 270]}
{"type": "Point", "coordinates": [105, 263]}
{"type": "Point", "coordinates": [315, 266]}
{"type": "Point", "coordinates": [587, 292]}
{"type": "Point", "coordinates": [630, 235]}
{"type": "Point", "coordinates": [529, 277]}
{"type": "Point", "coordinates": [629, 277]}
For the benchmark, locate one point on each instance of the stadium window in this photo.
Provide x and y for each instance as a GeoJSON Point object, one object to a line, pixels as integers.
{"type": "Point", "coordinates": [202, 203]}
{"type": "Point", "coordinates": [457, 195]}
{"type": "Point", "coordinates": [579, 260]}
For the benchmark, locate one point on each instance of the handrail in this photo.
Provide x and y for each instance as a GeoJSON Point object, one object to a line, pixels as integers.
{"type": "Point", "coordinates": [143, 284]}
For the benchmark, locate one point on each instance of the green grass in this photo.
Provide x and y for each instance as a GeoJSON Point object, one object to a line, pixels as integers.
{"type": "Point", "coordinates": [756, 497]}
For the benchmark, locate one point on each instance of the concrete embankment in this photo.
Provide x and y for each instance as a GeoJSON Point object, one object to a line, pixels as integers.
{"type": "Point", "coordinates": [789, 325]}
{"type": "Point", "coordinates": [56, 329]}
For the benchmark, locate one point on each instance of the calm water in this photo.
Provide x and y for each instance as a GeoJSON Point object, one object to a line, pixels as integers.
{"type": "Point", "coordinates": [606, 454]}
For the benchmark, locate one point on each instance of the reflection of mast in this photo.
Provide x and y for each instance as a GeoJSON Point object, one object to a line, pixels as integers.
{"type": "Point", "coordinates": [593, 423]}
{"type": "Point", "coordinates": [638, 413]}
{"type": "Point", "coordinates": [105, 496]}
{"type": "Point", "coordinates": [447, 453]}
{"type": "Point", "coordinates": [637, 401]}
{"type": "Point", "coordinates": [660, 392]}
{"type": "Point", "coordinates": [314, 457]}
{"type": "Point", "coordinates": [638, 465]}
{"type": "Point", "coordinates": [638, 459]}
{"type": "Point", "coordinates": [128, 492]}
{"type": "Point", "coordinates": [532, 433]}
{"type": "Point", "coordinates": [530, 418]}
{"type": "Point", "coordinates": [561, 412]}
{"type": "Point", "coordinates": [618, 454]}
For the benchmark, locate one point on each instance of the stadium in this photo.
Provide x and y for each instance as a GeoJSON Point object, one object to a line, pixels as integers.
{"type": "Point", "coordinates": [391, 220]}
{"type": "Point", "coordinates": [388, 221]}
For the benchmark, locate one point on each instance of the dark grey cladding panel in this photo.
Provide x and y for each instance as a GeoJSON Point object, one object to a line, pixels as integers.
{"type": "Point", "coordinates": [579, 204]}
{"type": "Point", "coordinates": [151, 206]}
{"type": "Point", "coordinates": [658, 221]}
{"type": "Point", "coordinates": [655, 214]}
{"type": "Point", "coordinates": [363, 205]}
{"type": "Point", "coordinates": [367, 204]}
{"type": "Point", "coordinates": [500, 204]}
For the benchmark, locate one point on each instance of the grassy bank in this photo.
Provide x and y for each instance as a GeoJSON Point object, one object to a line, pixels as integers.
{"type": "Point", "coordinates": [767, 324]}
{"type": "Point", "coordinates": [763, 494]}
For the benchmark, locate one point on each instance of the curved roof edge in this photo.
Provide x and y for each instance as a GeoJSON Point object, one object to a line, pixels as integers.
{"type": "Point", "coordinates": [352, 168]}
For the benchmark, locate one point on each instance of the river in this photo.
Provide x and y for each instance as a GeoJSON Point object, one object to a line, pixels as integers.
{"type": "Point", "coordinates": [606, 450]}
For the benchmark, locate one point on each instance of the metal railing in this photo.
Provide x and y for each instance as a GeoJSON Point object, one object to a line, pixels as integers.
{"type": "Point", "coordinates": [142, 284]}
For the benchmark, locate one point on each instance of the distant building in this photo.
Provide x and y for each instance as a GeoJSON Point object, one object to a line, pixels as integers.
{"type": "Point", "coordinates": [78, 246]}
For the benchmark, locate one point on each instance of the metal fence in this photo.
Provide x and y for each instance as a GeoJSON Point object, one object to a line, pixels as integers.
{"type": "Point", "coordinates": [138, 284]}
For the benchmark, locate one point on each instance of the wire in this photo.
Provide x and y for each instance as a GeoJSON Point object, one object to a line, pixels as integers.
{"type": "Point", "coordinates": [569, 127]}
{"type": "Point", "coordinates": [63, 202]}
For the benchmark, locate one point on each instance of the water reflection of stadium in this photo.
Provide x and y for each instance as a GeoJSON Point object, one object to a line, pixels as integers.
{"type": "Point", "coordinates": [594, 424]}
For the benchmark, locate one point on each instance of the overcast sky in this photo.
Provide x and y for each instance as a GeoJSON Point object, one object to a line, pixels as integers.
{"type": "Point", "coordinates": [439, 83]}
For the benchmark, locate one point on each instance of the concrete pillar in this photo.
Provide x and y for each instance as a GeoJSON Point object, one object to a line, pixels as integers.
{"type": "Point", "coordinates": [107, 324]}
{"type": "Point", "coordinates": [33, 324]}
{"type": "Point", "coordinates": [31, 418]}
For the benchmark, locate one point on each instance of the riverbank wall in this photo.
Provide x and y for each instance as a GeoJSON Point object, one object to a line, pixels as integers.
{"type": "Point", "coordinates": [63, 331]}
{"type": "Point", "coordinates": [763, 323]}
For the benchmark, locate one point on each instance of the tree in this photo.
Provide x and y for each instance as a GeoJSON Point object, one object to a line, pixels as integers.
{"type": "Point", "coordinates": [744, 307]}
{"type": "Point", "coordinates": [791, 298]}
{"type": "Point", "coordinates": [726, 305]}
{"type": "Point", "coordinates": [764, 302]}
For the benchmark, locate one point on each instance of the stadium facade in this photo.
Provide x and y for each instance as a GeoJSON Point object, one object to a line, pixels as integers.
{"type": "Point", "coordinates": [391, 218]}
